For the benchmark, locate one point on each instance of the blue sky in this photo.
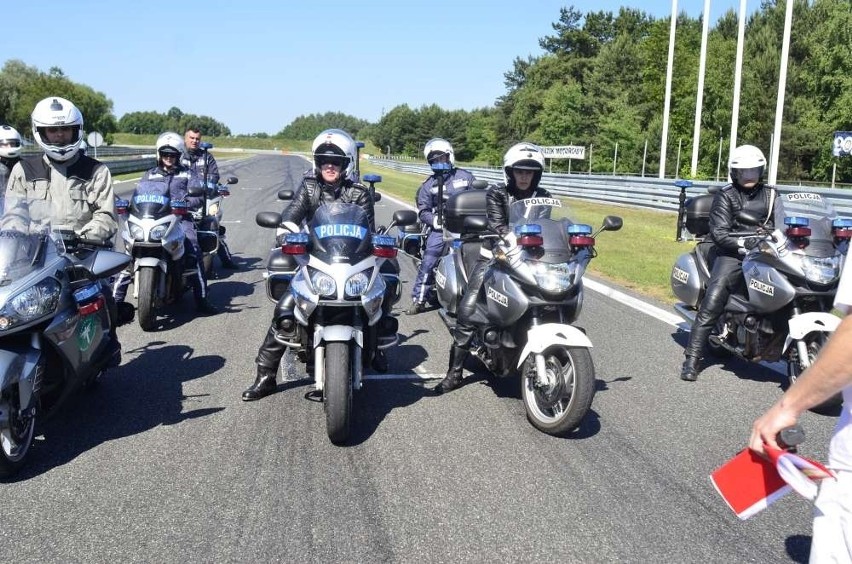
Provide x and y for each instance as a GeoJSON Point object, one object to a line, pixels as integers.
{"type": "Point", "coordinates": [257, 65]}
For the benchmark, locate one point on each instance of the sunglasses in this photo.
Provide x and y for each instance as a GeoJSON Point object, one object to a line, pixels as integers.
{"type": "Point", "coordinates": [331, 160]}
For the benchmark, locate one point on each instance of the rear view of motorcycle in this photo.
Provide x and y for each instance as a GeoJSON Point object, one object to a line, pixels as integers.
{"type": "Point", "coordinates": [55, 323]}
{"type": "Point", "coordinates": [790, 277]}
{"type": "Point", "coordinates": [528, 303]}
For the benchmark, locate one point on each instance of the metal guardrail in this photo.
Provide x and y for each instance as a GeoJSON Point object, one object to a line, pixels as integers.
{"type": "Point", "coordinates": [130, 165]}
{"type": "Point", "coordinates": [653, 193]}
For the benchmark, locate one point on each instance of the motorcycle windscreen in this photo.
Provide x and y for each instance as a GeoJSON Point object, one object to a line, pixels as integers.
{"type": "Point", "coordinates": [820, 214]}
{"type": "Point", "coordinates": [340, 233]}
{"type": "Point", "coordinates": [544, 212]}
{"type": "Point", "coordinates": [149, 205]}
{"type": "Point", "coordinates": [25, 234]}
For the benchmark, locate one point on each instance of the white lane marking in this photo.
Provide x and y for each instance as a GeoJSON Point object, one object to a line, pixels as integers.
{"type": "Point", "coordinates": [406, 376]}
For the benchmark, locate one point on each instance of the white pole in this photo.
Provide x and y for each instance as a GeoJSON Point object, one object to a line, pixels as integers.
{"type": "Point", "coordinates": [667, 103]}
{"type": "Point", "coordinates": [614, 158]}
{"type": "Point", "coordinates": [719, 160]}
{"type": "Point", "coordinates": [702, 62]}
{"type": "Point", "coordinates": [644, 157]}
{"type": "Point", "coordinates": [677, 166]}
{"type": "Point", "coordinates": [738, 76]}
{"type": "Point", "coordinates": [782, 84]}
{"type": "Point", "coordinates": [833, 173]}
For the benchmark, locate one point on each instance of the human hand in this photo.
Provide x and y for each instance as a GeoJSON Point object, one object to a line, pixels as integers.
{"type": "Point", "coordinates": [765, 430]}
{"type": "Point", "coordinates": [436, 223]}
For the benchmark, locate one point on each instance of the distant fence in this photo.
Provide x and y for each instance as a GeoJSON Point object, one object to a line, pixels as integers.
{"type": "Point", "coordinates": [653, 193]}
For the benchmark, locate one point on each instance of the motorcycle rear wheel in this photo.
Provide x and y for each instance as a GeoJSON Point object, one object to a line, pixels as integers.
{"type": "Point", "coordinates": [16, 437]}
{"type": "Point", "coordinates": [815, 342]}
{"type": "Point", "coordinates": [147, 289]}
{"type": "Point", "coordinates": [337, 391]}
{"type": "Point", "coordinates": [559, 409]}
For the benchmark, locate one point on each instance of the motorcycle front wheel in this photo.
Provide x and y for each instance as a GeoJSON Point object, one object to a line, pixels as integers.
{"type": "Point", "coordinates": [337, 391]}
{"type": "Point", "coordinates": [16, 434]}
{"type": "Point", "coordinates": [815, 342]}
{"type": "Point", "coordinates": [557, 402]}
{"type": "Point", "coordinates": [147, 291]}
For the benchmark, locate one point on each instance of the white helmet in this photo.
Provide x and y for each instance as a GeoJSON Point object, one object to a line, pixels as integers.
{"type": "Point", "coordinates": [10, 142]}
{"type": "Point", "coordinates": [524, 156]}
{"type": "Point", "coordinates": [747, 164]}
{"type": "Point", "coordinates": [438, 147]}
{"type": "Point", "coordinates": [334, 144]}
{"type": "Point", "coordinates": [57, 112]}
{"type": "Point", "coordinates": [170, 143]}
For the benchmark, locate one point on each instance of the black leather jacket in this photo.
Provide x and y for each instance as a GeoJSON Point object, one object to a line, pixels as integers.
{"type": "Point", "coordinates": [727, 202]}
{"type": "Point", "coordinates": [313, 191]}
{"type": "Point", "coordinates": [497, 202]}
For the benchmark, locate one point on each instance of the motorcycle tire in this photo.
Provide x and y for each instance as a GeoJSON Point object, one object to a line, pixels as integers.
{"type": "Point", "coordinates": [16, 435]}
{"type": "Point", "coordinates": [147, 290]}
{"type": "Point", "coordinates": [815, 342]}
{"type": "Point", "coordinates": [560, 409]}
{"type": "Point", "coordinates": [337, 391]}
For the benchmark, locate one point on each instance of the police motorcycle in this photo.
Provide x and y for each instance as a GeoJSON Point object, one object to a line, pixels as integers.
{"type": "Point", "coordinates": [528, 303]}
{"type": "Point", "coordinates": [154, 238]}
{"type": "Point", "coordinates": [208, 220]}
{"type": "Point", "coordinates": [55, 322]}
{"type": "Point", "coordinates": [790, 276]}
{"type": "Point", "coordinates": [336, 273]}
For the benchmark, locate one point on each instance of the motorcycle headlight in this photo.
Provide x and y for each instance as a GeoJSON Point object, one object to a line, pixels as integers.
{"type": "Point", "coordinates": [356, 285]}
{"type": "Point", "coordinates": [824, 270]}
{"type": "Point", "coordinates": [33, 303]}
{"type": "Point", "coordinates": [323, 284]}
{"type": "Point", "coordinates": [136, 232]}
{"type": "Point", "coordinates": [158, 232]}
{"type": "Point", "coordinates": [554, 278]}
{"type": "Point", "coordinates": [213, 209]}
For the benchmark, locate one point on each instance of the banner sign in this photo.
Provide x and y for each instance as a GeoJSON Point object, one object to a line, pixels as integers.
{"type": "Point", "coordinates": [564, 152]}
{"type": "Point", "coordinates": [842, 144]}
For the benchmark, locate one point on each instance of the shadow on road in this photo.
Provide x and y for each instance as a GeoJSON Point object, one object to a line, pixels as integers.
{"type": "Point", "coordinates": [139, 395]}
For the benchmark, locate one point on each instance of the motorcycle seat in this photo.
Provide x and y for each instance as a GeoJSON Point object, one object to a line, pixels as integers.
{"type": "Point", "coordinates": [706, 253]}
{"type": "Point", "coordinates": [416, 227]}
{"type": "Point", "coordinates": [469, 252]}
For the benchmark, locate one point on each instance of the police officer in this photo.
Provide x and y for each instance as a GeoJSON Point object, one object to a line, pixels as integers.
{"type": "Point", "coordinates": [745, 192]}
{"type": "Point", "coordinates": [334, 158]}
{"type": "Point", "coordinates": [10, 154]}
{"type": "Point", "coordinates": [523, 165]}
{"type": "Point", "coordinates": [441, 158]}
{"type": "Point", "coordinates": [171, 178]}
{"type": "Point", "coordinates": [77, 188]}
{"type": "Point", "coordinates": [200, 162]}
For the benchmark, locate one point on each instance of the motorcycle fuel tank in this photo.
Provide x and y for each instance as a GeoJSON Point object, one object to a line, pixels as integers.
{"type": "Point", "coordinates": [768, 289]}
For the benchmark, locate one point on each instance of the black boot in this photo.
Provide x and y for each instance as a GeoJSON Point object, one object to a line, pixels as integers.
{"type": "Point", "coordinates": [380, 361]}
{"type": "Point", "coordinates": [690, 369]}
{"type": "Point", "coordinates": [264, 384]}
{"type": "Point", "coordinates": [453, 379]}
{"type": "Point", "coordinates": [204, 307]}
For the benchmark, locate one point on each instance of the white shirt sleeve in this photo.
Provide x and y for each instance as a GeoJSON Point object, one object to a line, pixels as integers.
{"type": "Point", "coordinates": [843, 298]}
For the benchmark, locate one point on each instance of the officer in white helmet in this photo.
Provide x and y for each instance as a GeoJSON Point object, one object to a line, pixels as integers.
{"type": "Point", "coordinates": [10, 153]}
{"type": "Point", "coordinates": [745, 192]}
{"type": "Point", "coordinates": [446, 179]}
{"type": "Point", "coordinates": [76, 188]}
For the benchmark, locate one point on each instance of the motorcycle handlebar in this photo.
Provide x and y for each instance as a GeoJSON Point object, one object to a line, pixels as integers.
{"type": "Point", "coordinates": [790, 437]}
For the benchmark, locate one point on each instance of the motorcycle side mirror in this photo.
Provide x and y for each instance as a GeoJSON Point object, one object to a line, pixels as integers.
{"type": "Point", "coordinates": [377, 197]}
{"type": "Point", "coordinates": [479, 184]}
{"type": "Point", "coordinates": [745, 217]}
{"type": "Point", "coordinates": [205, 146]}
{"type": "Point", "coordinates": [196, 190]}
{"type": "Point", "coordinates": [404, 217]}
{"type": "Point", "coordinates": [232, 180]}
{"type": "Point", "coordinates": [272, 220]}
{"type": "Point", "coordinates": [285, 194]}
{"type": "Point", "coordinates": [612, 223]}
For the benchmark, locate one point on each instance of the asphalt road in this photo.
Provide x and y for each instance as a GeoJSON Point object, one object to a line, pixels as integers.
{"type": "Point", "coordinates": [164, 463]}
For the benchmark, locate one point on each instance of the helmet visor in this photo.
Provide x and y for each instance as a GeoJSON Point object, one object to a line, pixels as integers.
{"type": "Point", "coordinates": [335, 160]}
{"type": "Point", "coordinates": [10, 143]}
{"type": "Point", "coordinates": [743, 175]}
